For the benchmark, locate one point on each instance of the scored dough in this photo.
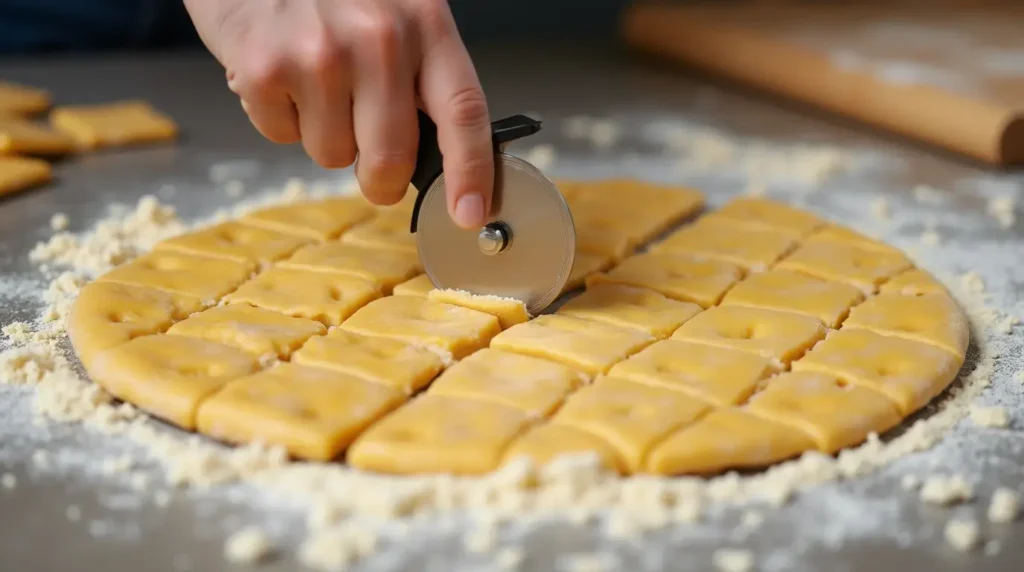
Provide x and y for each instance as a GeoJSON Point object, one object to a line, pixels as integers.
{"type": "Point", "coordinates": [114, 124]}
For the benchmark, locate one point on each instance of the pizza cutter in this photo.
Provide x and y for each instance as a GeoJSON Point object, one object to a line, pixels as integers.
{"type": "Point", "coordinates": [528, 245]}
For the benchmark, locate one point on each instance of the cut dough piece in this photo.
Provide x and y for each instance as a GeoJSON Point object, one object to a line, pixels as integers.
{"type": "Point", "coordinates": [381, 360]}
{"type": "Point", "coordinates": [913, 283]}
{"type": "Point", "coordinates": [789, 291]}
{"type": "Point", "coordinates": [419, 287]}
{"type": "Point", "coordinates": [838, 234]}
{"type": "Point", "coordinates": [16, 99]}
{"type": "Point", "coordinates": [910, 373]}
{"type": "Point", "coordinates": [598, 233]}
{"type": "Point", "coordinates": [631, 417]}
{"type": "Point", "coordinates": [169, 376]}
{"type": "Point", "coordinates": [321, 296]}
{"type": "Point", "coordinates": [549, 442]}
{"type": "Point", "coordinates": [259, 332]}
{"type": "Point", "coordinates": [509, 311]}
{"type": "Point", "coordinates": [649, 208]}
{"type": "Point", "coordinates": [932, 318]}
{"type": "Point", "coordinates": [532, 385]}
{"type": "Point", "coordinates": [726, 439]}
{"type": "Point", "coordinates": [205, 278]}
{"type": "Point", "coordinates": [236, 242]}
{"type": "Point", "coordinates": [323, 219]}
{"type": "Point", "coordinates": [631, 307]}
{"type": "Point", "coordinates": [585, 345]}
{"type": "Point", "coordinates": [764, 213]}
{"type": "Point", "coordinates": [106, 315]}
{"type": "Point", "coordinates": [384, 267]}
{"type": "Point", "coordinates": [835, 414]}
{"type": "Point", "coordinates": [22, 173]}
{"type": "Point", "coordinates": [722, 239]}
{"type": "Point", "coordinates": [720, 376]}
{"type": "Point", "coordinates": [20, 136]}
{"type": "Point", "coordinates": [679, 277]}
{"type": "Point", "coordinates": [389, 231]}
{"type": "Point", "coordinates": [585, 265]}
{"type": "Point", "coordinates": [778, 335]}
{"type": "Point", "coordinates": [313, 413]}
{"type": "Point", "coordinates": [437, 434]}
{"type": "Point", "coordinates": [863, 268]}
{"type": "Point", "coordinates": [452, 330]}
{"type": "Point", "coordinates": [114, 124]}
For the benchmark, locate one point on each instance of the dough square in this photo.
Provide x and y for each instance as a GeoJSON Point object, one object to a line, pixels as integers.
{"type": "Point", "coordinates": [649, 208]}
{"type": "Point", "coordinates": [865, 269]}
{"type": "Point", "coordinates": [910, 373]}
{"type": "Point", "coordinates": [584, 265]}
{"type": "Point", "coordinates": [313, 413]}
{"type": "Point", "coordinates": [386, 230]}
{"type": "Point", "coordinates": [21, 136]}
{"type": "Point", "coordinates": [387, 268]}
{"type": "Point", "coordinates": [630, 307]}
{"type": "Point", "coordinates": [789, 291]}
{"type": "Point", "coordinates": [114, 124]}
{"type": "Point", "coordinates": [588, 346]}
{"type": "Point", "coordinates": [549, 442]}
{"type": "Point", "coordinates": [769, 214]}
{"type": "Point", "coordinates": [236, 242]}
{"type": "Point", "coordinates": [509, 311]}
{"type": "Point", "coordinates": [388, 362]}
{"type": "Point", "coordinates": [451, 330]}
{"type": "Point", "coordinates": [749, 247]}
{"type": "Point", "coordinates": [16, 99]}
{"type": "Point", "coordinates": [630, 417]}
{"type": "Point", "coordinates": [718, 375]}
{"type": "Point", "coordinates": [438, 434]}
{"type": "Point", "coordinates": [532, 385]}
{"type": "Point", "coordinates": [106, 314]}
{"type": "Point", "coordinates": [168, 376]}
{"type": "Point", "coordinates": [832, 412]}
{"type": "Point", "coordinates": [931, 318]}
{"type": "Point", "coordinates": [726, 439]}
{"type": "Point", "coordinates": [208, 279]}
{"type": "Point", "coordinates": [913, 282]}
{"type": "Point", "coordinates": [601, 233]}
{"type": "Point", "coordinates": [23, 173]}
{"type": "Point", "coordinates": [679, 277]}
{"type": "Point", "coordinates": [321, 220]}
{"type": "Point", "coordinates": [260, 333]}
{"type": "Point", "coordinates": [777, 335]}
{"type": "Point", "coordinates": [419, 287]}
{"type": "Point", "coordinates": [321, 296]}
{"type": "Point", "coordinates": [836, 234]}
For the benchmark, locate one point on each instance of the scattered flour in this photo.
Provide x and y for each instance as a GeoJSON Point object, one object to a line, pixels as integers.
{"type": "Point", "coordinates": [991, 416]}
{"type": "Point", "coordinates": [943, 490]}
{"type": "Point", "coordinates": [1004, 505]}
{"type": "Point", "coordinates": [247, 546]}
{"type": "Point", "coordinates": [962, 534]}
{"type": "Point", "coordinates": [733, 560]}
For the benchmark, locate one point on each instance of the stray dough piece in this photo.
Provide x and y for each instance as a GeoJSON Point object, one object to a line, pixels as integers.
{"type": "Point", "coordinates": [169, 376]}
{"type": "Point", "coordinates": [114, 124]}
{"type": "Point", "coordinates": [532, 385]}
{"type": "Point", "coordinates": [509, 311]}
{"type": "Point", "coordinates": [835, 414]}
{"type": "Point", "coordinates": [16, 99]}
{"type": "Point", "coordinates": [438, 434]}
{"type": "Point", "coordinates": [106, 315]}
{"type": "Point", "coordinates": [247, 546]}
{"type": "Point", "coordinates": [733, 560]}
{"type": "Point", "coordinates": [21, 136]}
{"type": "Point", "coordinates": [22, 173]}
{"type": "Point", "coordinates": [860, 267]}
{"type": "Point", "coordinates": [1004, 506]}
{"type": "Point", "coordinates": [387, 230]}
{"type": "Point", "coordinates": [389, 362]}
{"type": "Point", "coordinates": [841, 235]}
{"type": "Point", "coordinates": [946, 490]}
{"type": "Point", "coordinates": [450, 329]}
{"type": "Point", "coordinates": [777, 335]}
{"type": "Point", "coordinates": [323, 219]}
{"type": "Point", "coordinates": [765, 213]}
{"type": "Point", "coordinates": [321, 296]}
{"type": "Point", "coordinates": [962, 534]}
{"type": "Point", "coordinates": [313, 413]}
{"type": "Point", "coordinates": [909, 372]}
{"type": "Point", "coordinates": [205, 278]}
{"type": "Point", "coordinates": [585, 265]}
{"type": "Point", "coordinates": [931, 318]}
{"type": "Point", "coordinates": [679, 277]}
{"type": "Point", "coordinates": [631, 417]}
{"type": "Point", "coordinates": [259, 332]}
{"type": "Point", "coordinates": [913, 283]}
{"type": "Point", "coordinates": [388, 268]}
{"type": "Point", "coordinates": [236, 242]}
{"type": "Point", "coordinates": [419, 286]}
{"type": "Point", "coordinates": [788, 291]}
{"type": "Point", "coordinates": [994, 416]}
{"type": "Point", "coordinates": [752, 248]}
{"type": "Point", "coordinates": [548, 442]}
{"type": "Point", "coordinates": [717, 375]}
{"type": "Point", "coordinates": [631, 307]}
{"type": "Point", "coordinates": [586, 345]}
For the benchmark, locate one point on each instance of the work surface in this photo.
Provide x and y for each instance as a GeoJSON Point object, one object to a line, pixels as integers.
{"type": "Point", "coordinates": [865, 523]}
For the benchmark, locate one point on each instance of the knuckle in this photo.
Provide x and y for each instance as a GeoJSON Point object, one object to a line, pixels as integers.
{"type": "Point", "coordinates": [433, 14]}
{"type": "Point", "coordinates": [319, 52]}
{"type": "Point", "coordinates": [379, 32]}
{"type": "Point", "coordinates": [469, 108]}
{"type": "Point", "coordinates": [387, 167]}
{"type": "Point", "coordinates": [260, 75]}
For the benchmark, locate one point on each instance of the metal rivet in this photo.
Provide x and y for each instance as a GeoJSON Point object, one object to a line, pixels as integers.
{"type": "Point", "coordinates": [493, 238]}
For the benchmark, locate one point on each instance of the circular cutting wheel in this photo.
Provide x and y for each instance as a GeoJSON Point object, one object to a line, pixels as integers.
{"type": "Point", "coordinates": [526, 251]}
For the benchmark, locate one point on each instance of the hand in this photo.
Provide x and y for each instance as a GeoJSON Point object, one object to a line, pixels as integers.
{"type": "Point", "coordinates": [342, 77]}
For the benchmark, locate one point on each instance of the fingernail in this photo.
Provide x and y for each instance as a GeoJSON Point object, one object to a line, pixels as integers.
{"type": "Point", "coordinates": [469, 211]}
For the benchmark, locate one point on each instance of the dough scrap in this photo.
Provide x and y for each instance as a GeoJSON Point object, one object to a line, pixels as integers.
{"type": "Point", "coordinates": [114, 124]}
{"type": "Point", "coordinates": [20, 136]}
{"type": "Point", "coordinates": [17, 99]}
{"type": "Point", "coordinates": [23, 173]}
{"type": "Point", "coordinates": [509, 311]}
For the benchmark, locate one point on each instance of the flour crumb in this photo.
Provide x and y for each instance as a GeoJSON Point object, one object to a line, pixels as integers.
{"type": "Point", "coordinates": [59, 222]}
{"type": "Point", "coordinates": [1004, 506]}
{"type": "Point", "coordinates": [1019, 376]}
{"type": "Point", "coordinates": [751, 519]}
{"type": "Point", "coordinates": [590, 562]}
{"type": "Point", "coordinates": [541, 156]}
{"type": "Point", "coordinates": [161, 498]}
{"type": "Point", "coordinates": [8, 481]}
{"type": "Point", "coordinates": [962, 534]}
{"type": "Point", "coordinates": [880, 208]}
{"type": "Point", "coordinates": [1002, 209]}
{"type": "Point", "coordinates": [943, 490]}
{"type": "Point", "coordinates": [931, 238]}
{"type": "Point", "coordinates": [41, 458]}
{"type": "Point", "coordinates": [756, 189]}
{"type": "Point", "coordinates": [234, 188]}
{"type": "Point", "coordinates": [247, 546]}
{"type": "Point", "coordinates": [992, 547]}
{"type": "Point", "coordinates": [733, 560]}
{"type": "Point", "coordinates": [482, 539]}
{"type": "Point", "coordinates": [73, 513]}
{"type": "Point", "coordinates": [990, 416]}
{"type": "Point", "coordinates": [910, 482]}
{"type": "Point", "coordinates": [509, 559]}
{"type": "Point", "coordinates": [925, 194]}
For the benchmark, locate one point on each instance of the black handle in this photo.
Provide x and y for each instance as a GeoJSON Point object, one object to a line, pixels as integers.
{"type": "Point", "coordinates": [430, 162]}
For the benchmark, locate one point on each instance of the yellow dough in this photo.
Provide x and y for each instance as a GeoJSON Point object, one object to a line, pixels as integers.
{"type": "Point", "coordinates": [260, 333]}
{"type": "Point", "coordinates": [383, 267]}
{"type": "Point", "coordinates": [782, 336]}
{"type": "Point", "coordinates": [419, 287]}
{"type": "Point", "coordinates": [236, 242]}
{"type": "Point", "coordinates": [114, 124]}
{"type": "Point", "coordinates": [598, 233]}
{"type": "Point", "coordinates": [20, 136]}
{"type": "Point", "coordinates": [389, 231]}
{"type": "Point", "coordinates": [534, 386]}
{"type": "Point", "coordinates": [548, 442]}
{"type": "Point", "coordinates": [437, 434]}
{"type": "Point", "coordinates": [789, 291]}
{"type": "Point", "coordinates": [588, 346]}
{"type": "Point", "coordinates": [630, 307]}
{"type": "Point", "coordinates": [677, 276]}
{"type": "Point", "coordinates": [321, 296]}
{"type": "Point", "coordinates": [913, 283]}
{"type": "Point", "coordinates": [169, 376]}
{"type": "Point", "coordinates": [647, 209]}
{"type": "Point", "coordinates": [585, 264]}
{"type": "Point", "coordinates": [323, 219]}
{"type": "Point", "coordinates": [719, 376]}
{"type": "Point", "coordinates": [22, 173]}
{"type": "Point", "coordinates": [837, 234]}
{"type": "Point", "coordinates": [752, 248]}
{"type": "Point", "coordinates": [860, 267]}
{"type": "Point", "coordinates": [382, 360]}
{"type": "Point", "coordinates": [931, 318]}
{"type": "Point", "coordinates": [312, 413]}
{"type": "Point", "coordinates": [449, 329]}
{"type": "Point", "coordinates": [205, 278]}
{"type": "Point", "coordinates": [764, 213]}
{"type": "Point", "coordinates": [16, 99]}
{"type": "Point", "coordinates": [509, 311]}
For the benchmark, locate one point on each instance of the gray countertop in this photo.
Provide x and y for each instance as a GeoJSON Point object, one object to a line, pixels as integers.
{"type": "Point", "coordinates": [867, 523]}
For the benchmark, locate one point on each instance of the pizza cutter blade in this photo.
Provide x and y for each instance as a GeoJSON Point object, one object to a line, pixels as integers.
{"type": "Point", "coordinates": [526, 249]}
